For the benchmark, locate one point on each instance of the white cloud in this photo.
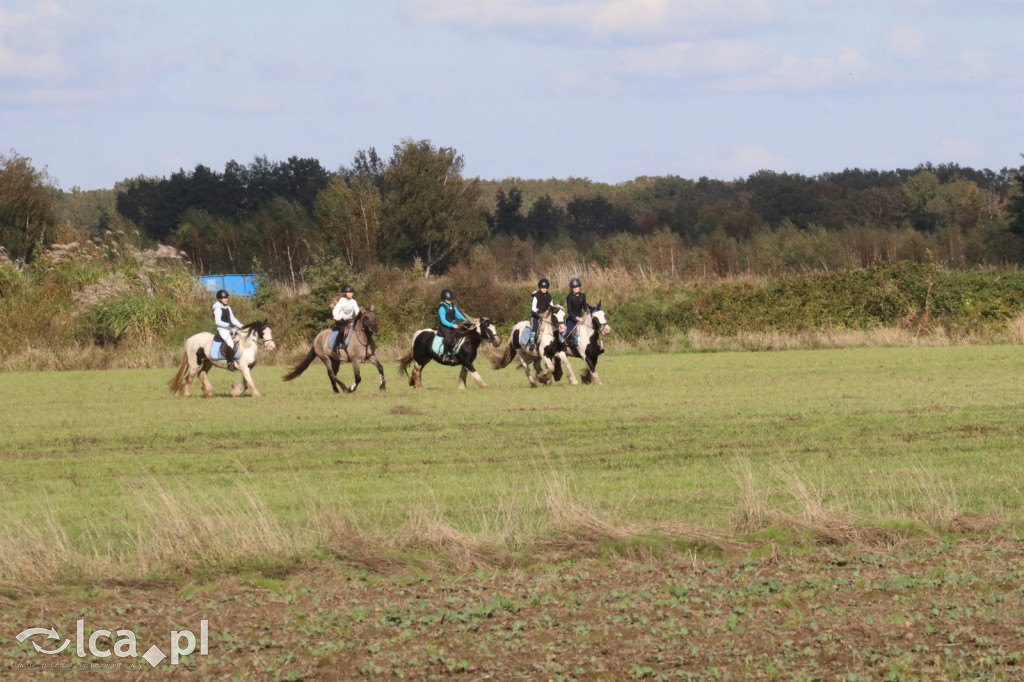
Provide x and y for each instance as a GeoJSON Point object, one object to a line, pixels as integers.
{"type": "Point", "coordinates": [680, 60]}
{"type": "Point", "coordinates": [907, 42]}
{"type": "Point", "coordinates": [744, 67]}
{"type": "Point", "coordinates": [597, 19]}
{"type": "Point", "coordinates": [27, 42]}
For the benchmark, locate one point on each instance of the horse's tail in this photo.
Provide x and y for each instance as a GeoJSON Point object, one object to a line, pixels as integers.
{"type": "Point", "coordinates": [301, 367]}
{"type": "Point", "coordinates": [176, 383]}
{"type": "Point", "coordinates": [403, 364]}
{"type": "Point", "coordinates": [503, 360]}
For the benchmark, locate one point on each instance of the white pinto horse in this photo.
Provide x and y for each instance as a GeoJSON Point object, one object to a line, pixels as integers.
{"type": "Point", "coordinates": [549, 345]}
{"type": "Point", "coordinates": [584, 341]}
{"type": "Point", "coordinates": [248, 341]}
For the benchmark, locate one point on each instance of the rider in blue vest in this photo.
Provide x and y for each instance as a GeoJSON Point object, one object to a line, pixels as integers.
{"type": "Point", "coordinates": [226, 323]}
{"type": "Point", "coordinates": [575, 306]}
{"type": "Point", "coordinates": [450, 317]}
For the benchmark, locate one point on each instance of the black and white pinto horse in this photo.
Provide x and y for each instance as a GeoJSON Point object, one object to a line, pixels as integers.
{"type": "Point", "coordinates": [197, 359]}
{"type": "Point", "coordinates": [584, 341]}
{"type": "Point", "coordinates": [550, 345]}
{"type": "Point", "coordinates": [473, 331]}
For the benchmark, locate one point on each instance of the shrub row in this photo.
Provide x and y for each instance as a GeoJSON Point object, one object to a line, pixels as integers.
{"type": "Point", "coordinates": [159, 306]}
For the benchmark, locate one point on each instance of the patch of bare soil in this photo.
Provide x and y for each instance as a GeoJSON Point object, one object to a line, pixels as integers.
{"type": "Point", "coordinates": [938, 609]}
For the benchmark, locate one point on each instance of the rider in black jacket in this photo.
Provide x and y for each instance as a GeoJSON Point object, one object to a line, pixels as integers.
{"type": "Point", "coordinates": [540, 304]}
{"type": "Point", "coordinates": [575, 306]}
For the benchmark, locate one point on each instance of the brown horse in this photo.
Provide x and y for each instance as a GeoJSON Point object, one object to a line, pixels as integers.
{"type": "Point", "coordinates": [361, 348]}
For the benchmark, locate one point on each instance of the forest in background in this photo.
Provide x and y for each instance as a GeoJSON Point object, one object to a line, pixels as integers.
{"type": "Point", "coordinates": [102, 277]}
{"type": "Point", "coordinates": [416, 210]}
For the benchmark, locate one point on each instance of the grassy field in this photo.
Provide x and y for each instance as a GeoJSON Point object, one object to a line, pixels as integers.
{"type": "Point", "coordinates": [114, 466]}
{"type": "Point", "coordinates": [829, 514]}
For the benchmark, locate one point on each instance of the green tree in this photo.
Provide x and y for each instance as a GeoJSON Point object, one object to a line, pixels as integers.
{"type": "Point", "coordinates": [26, 207]}
{"type": "Point", "coordinates": [430, 212]}
{"type": "Point", "coordinates": [1015, 206]}
{"type": "Point", "coordinates": [347, 218]}
{"type": "Point", "coordinates": [508, 216]}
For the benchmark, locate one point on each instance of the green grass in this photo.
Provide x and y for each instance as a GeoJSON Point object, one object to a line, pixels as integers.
{"type": "Point", "coordinates": [111, 465]}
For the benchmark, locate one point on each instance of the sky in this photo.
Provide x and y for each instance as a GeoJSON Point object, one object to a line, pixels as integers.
{"type": "Point", "coordinates": [97, 91]}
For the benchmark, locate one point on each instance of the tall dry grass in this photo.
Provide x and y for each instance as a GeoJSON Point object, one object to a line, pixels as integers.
{"type": "Point", "coordinates": [178, 534]}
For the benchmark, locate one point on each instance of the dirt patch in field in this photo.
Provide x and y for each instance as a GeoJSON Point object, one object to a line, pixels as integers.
{"type": "Point", "coordinates": [928, 609]}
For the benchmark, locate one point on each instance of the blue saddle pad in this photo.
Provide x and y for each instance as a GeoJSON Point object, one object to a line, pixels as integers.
{"type": "Point", "coordinates": [438, 345]}
{"type": "Point", "coordinates": [216, 352]}
{"type": "Point", "coordinates": [331, 338]}
{"type": "Point", "coordinates": [524, 336]}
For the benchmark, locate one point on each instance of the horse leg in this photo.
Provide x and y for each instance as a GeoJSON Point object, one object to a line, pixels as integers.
{"type": "Point", "coordinates": [415, 381]}
{"type": "Point", "coordinates": [356, 375]}
{"type": "Point", "coordinates": [204, 372]}
{"type": "Point", "coordinates": [543, 375]}
{"type": "Point", "coordinates": [247, 381]}
{"type": "Point", "coordinates": [568, 368]}
{"type": "Point", "coordinates": [380, 370]}
{"type": "Point", "coordinates": [186, 389]}
{"type": "Point", "coordinates": [462, 378]}
{"type": "Point", "coordinates": [473, 373]}
{"type": "Point", "coordinates": [332, 366]}
{"type": "Point", "coordinates": [526, 369]}
{"type": "Point", "coordinates": [592, 370]}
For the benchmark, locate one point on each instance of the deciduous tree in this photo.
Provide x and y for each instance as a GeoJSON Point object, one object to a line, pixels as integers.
{"type": "Point", "coordinates": [26, 206]}
{"type": "Point", "coordinates": [430, 212]}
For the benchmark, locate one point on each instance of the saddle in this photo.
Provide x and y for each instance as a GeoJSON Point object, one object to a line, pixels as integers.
{"type": "Point", "coordinates": [438, 345]}
{"type": "Point", "coordinates": [217, 349]}
{"type": "Point", "coordinates": [333, 337]}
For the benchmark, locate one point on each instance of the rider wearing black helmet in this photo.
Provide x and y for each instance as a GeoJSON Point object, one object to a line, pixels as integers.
{"type": "Point", "coordinates": [226, 323]}
{"type": "Point", "coordinates": [575, 305]}
{"type": "Point", "coordinates": [450, 317]}
{"type": "Point", "coordinates": [345, 310]}
{"type": "Point", "coordinates": [539, 305]}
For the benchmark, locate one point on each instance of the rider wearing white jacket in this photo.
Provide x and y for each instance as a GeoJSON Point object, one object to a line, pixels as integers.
{"type": "Point", "coordinates": [226, 323]}
{"type": "Point", "coordinates": [345, 310]}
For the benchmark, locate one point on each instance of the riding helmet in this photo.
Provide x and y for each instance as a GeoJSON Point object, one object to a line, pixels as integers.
{"type": "Point", "coordinates": [347, 288]}
{"type": "Point", "coordinates": [447, 295]}
{"type": "Point", "coordinates": [223, 294]}
{"type": "Point", "coordinates": [575, 282]}
{"type": "Point", "coordinates": [544, 284]}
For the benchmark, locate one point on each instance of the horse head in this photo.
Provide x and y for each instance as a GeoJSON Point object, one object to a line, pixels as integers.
{"type": "Point", "coordinates": [261, 330]}
{"type": "Point", "coordinates": [557, 314]}
{"type": "Point", "coordinates": [488, 332]}
{"type": "Point", "coordinates": [598, 320]}
{"type": "Point", "coordinates": [370, 323]}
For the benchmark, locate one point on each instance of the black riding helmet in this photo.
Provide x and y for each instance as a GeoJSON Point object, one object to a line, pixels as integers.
{"type": "Point", "coordinates": [347, 288]}
{"type": "Point", "coordinates": [447, 295]}
{"type": "Point", "coordinates": [544, 284]}
{"type": "Point", "coordinates": [223, 294]}
{"type": "Point", "coordinates": [575, 282]}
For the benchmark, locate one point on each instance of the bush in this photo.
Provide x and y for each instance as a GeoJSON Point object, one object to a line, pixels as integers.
{"type": "Point", "coordinates": [133, 317]}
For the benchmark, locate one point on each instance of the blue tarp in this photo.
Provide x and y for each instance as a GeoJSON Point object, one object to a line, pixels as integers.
{"type": "Point", "coordinates": [236, 285]}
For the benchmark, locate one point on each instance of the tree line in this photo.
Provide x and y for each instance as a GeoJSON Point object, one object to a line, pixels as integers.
{"type": "Point", "coordinates": [416, 209]}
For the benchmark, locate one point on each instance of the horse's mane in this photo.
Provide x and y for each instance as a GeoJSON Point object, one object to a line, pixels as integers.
{"type": "Point", "coordinates": [256, 325]}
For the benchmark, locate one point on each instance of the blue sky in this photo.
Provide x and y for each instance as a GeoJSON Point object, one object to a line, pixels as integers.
{"type": "Point", "coordinates": [97, 91]}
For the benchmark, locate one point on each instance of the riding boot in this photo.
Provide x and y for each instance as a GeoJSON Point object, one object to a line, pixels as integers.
{"type": "Point", "coordinates": [231, 360]}
{"type": "Point", "coordinates": [532, 346]}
